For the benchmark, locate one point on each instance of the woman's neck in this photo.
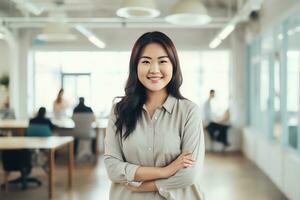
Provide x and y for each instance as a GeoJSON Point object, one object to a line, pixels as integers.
{"type": "Point", "coordinates": [155, 99]}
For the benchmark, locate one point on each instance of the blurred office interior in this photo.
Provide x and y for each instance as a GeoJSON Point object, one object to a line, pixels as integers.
{"type": "Point", "coordinates": [248, 51]}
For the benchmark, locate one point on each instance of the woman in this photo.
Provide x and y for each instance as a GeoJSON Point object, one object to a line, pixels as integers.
{"type": "Point", "coordinates": [60, 105]}
{"type": "Point", "coordinates": [154, 147]}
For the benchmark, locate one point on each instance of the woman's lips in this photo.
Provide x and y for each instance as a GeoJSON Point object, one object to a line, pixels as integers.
{"type": "Point", "coordinates": [154, 79]}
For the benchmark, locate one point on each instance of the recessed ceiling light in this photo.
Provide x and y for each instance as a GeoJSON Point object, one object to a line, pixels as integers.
{"type": "Point", "coordinates": [189, 12]}
{"type": "Point", "coordinates": [138, 9]}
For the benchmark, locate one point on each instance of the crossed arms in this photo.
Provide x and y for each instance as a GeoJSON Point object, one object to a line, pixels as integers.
{"type": "Point", "coordinates": [180, 173]}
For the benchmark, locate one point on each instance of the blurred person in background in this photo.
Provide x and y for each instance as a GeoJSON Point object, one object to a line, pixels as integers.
{"type": "Point", "coordinates": [60, 105]}
{"type": "Point", "coordinates": [41, 119]}
{"type": "Point", "coordinates": [82, 108]}
{"type": "Point", "coordinates": [216, 129]}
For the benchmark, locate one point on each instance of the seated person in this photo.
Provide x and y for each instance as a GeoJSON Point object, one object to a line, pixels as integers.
{"type": "Point", "coordinates": [82, 108]}
{"type": "Point", "coordinates": [41, 118]}
{"type": "Point", "coordinates": [6, 112]}
{"type": "Point", "coordinates": [217, 130]}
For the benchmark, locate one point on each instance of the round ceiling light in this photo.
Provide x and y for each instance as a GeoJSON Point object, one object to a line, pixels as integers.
{"type": "Point", "coordinates": [138, 9]}
{"type": "Point", "coordinates": [189, 12]}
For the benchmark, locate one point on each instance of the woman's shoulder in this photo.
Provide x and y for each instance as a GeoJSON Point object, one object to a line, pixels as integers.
{"type": "Point", "coordinates": [188, 105]}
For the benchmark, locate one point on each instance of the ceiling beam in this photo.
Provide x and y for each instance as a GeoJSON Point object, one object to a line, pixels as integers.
{"type": "Point", "coordinates": [39, 22]}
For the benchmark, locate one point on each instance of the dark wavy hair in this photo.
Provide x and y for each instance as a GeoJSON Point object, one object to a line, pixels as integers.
{"type": "Point", "coordinates": [129, 109]}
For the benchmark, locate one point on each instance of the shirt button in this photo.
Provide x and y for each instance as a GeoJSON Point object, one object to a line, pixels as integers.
{"type": "Point", "coordinates": [155, 118]}
{"type": "Point", "coordinates": [149, 148]}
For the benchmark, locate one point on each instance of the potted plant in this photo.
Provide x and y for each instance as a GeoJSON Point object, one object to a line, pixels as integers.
{"type": "Point", "coordinates": [4, 80]}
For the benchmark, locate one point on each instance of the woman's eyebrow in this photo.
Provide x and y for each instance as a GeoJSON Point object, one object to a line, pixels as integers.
{"type": "Point", "coordinates": [146, 57]}
{"type": "Point", "coordinates": [160, 57]}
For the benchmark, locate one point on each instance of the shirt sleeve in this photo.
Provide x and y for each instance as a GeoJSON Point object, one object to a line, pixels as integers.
{"type": "Point", "coordinates": [192, 140]}
{"type": "Point", "coordinates": [119, 171]}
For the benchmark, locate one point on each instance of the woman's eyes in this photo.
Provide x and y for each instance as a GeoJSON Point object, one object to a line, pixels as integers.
{"type": "Point", "coordinates": [145, 62]}
{"type": "Point", "coordinates": [148, 62]}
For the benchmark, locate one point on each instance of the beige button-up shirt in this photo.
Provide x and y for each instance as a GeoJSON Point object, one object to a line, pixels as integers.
{"type": "Point", "coordinates": [175, 127]}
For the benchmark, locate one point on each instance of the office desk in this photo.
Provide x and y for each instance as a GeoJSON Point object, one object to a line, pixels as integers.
{"type": "Point", "coordinates": [63, 124]}
{"type": "Point", "coordinates": [49, 143]}
{"type": "Point", "coordinates": [18, 126]}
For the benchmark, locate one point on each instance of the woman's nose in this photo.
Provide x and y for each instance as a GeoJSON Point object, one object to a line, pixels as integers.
{"type": "Point", "coordinates": [154, 67]}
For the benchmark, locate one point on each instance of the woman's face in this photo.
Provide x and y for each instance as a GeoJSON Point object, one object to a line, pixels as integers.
{"type": "Point", "coordinates": [154, 68]}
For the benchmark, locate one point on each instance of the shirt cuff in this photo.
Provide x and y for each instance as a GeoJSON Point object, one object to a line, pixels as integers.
{"type": "Point", "coordinates": [135, 183]}
{"type": "Point", "coordinates": [162, 191]}
{"type": "Point", "coordinates": [130, 170]}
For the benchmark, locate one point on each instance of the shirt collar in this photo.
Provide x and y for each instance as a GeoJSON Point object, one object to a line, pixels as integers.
{"type": "Point", "coordinates": [168, 105]}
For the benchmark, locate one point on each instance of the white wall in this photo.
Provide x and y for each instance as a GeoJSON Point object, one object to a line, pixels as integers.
{"type": "Point", "coordinates": [275, 10]}
{"type": "Point", "coordinates": [12, 63]}
{"type": "Point", "coordinates": [24, 47]}
{"type": "Point", "coordinates": [280, 164]}
{"type": "Point", "coordinates": [270, 15]}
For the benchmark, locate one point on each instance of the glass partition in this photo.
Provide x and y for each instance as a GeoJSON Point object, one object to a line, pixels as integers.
{"type": "Point", "coordinates": [293, 80]}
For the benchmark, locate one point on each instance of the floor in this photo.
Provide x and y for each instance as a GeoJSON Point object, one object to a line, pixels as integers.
{"type": "Point", "coordinates": [226, 176]}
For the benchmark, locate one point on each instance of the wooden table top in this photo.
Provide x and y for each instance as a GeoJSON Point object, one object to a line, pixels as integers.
{"type": "Point", "coordinates": [67, 123]}
{"type": "Point", "coordinates": [13, 123]}
{"type": "Point", "coordinates": [51, 142]}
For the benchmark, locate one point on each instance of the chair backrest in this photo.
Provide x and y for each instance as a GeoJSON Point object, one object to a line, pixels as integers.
{"type": "Point", "coordinates": [83, 125]}
{"type": "Point", "coordinates": [16, 160]}
{"type": "Point", "coordinates": [39, 130]}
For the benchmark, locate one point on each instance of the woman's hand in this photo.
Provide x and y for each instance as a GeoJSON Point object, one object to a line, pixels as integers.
{"type": "Point", "coordinates": [133, 189]}
{"type": "Point", "coordinates": [182, 161]}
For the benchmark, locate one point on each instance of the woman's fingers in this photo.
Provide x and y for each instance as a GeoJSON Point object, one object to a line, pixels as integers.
{"type": "Point", "coordinates": [188, 161]}
{"type": "Point", "coordinates": [186, 153]}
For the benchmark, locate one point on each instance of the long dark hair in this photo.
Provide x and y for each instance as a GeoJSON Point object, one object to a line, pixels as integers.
{"type": "Point", "coordinates": [59, 96]}
{"type": "Point", "coordinates": [129, 109]}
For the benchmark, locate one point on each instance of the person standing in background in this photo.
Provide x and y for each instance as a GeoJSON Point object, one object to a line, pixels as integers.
{"type": "Point", "coordinates": [60, 105]}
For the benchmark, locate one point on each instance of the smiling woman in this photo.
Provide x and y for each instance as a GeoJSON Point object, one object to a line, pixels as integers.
{"type": "Point", "coordinates": [154, 146]}
{"type": "Point", "coordinates": [154, 68]}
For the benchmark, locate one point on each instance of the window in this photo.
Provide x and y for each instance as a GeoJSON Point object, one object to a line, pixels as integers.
{"type": "Point", "coordinates": [101, 76]}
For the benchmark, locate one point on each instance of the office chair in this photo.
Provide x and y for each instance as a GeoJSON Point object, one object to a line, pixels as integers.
{"type": "Point", "coordinates": [21, 160]}
{"type": "Point", "coordinates": [83, 131]}
{"type": "Point", "coordinates": [38, 130]}
{"type": "Point", "coordinates": [18, 160]}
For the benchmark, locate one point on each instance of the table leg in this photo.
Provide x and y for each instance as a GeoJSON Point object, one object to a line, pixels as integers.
{"type": "Point", "coordinates": [71, 164]}
{"type": "Point", "coordinates": [97, 145]}
{"type": "Point", "coordinates": [6, 174]}
{"type": "Point", "coordinates": [51, 163]}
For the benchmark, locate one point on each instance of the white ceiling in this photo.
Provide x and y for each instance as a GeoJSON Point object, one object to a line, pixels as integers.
{"type": "Point", "coordinates": [100, 17]}
{"type": "Point", "coordinates": [100, 8]}
{"type": "Point", "coordinates": [89, 10]}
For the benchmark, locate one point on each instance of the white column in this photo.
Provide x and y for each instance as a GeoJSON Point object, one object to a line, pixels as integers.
{"type": "Point", "coordinates": [238, 78]}
{"type": "Point", "coordinates": [13, 50]}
